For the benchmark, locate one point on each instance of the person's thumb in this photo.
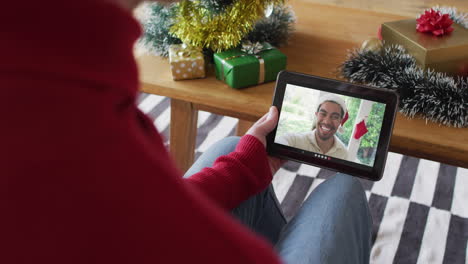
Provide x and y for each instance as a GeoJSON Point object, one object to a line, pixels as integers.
{"type": "Point", "coordinates": [271, 121]}
{"type": "Point", "coordinates": [264, 125]}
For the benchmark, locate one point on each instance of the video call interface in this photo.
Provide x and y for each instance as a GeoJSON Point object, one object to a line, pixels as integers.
{"type": "Point", "coordinates": [329, 125]}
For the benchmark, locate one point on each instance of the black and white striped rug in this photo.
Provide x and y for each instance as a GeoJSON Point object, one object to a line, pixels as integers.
{"type": "Point", "coordinates": [419, 208]}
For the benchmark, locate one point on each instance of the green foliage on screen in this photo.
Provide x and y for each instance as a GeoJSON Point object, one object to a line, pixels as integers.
{"type": "Point", "coordinates": [353, 108]}
{"type": "Point", "coordinates": [374, 125]}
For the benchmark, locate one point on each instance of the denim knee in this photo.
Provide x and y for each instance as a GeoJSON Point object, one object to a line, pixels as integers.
{"type": "Point", "coordinates": [350, 187]}
{"type": "Point", "coordinates": [220, 148]}
{"type": "Point", "coordinates": [229, 143]}
{"type": "Point", "coordinates": [333, 225]}
{"type": "Point", "coordinates": [348, 183]}
{"type": "Point", "coordinates": [354, 195]}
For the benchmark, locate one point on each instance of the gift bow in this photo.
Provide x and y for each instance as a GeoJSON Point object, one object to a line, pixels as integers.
{"type": "Point", "coordinates": [186, 51]}
{"type": "Point", "coordinates": [250, 49]}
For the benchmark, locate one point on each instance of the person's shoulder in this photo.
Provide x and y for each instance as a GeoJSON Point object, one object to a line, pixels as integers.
{"type": "Point", "coordinates": [341, 151]}
{"type": "Point", "coordinates": [340, 144]}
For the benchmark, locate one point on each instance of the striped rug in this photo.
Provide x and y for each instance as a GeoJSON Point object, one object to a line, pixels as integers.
{"type": "Point", "coordinates": [419, 208]}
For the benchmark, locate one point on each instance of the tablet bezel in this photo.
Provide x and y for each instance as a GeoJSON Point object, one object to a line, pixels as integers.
{"type": "Point", "coordinates": [386, 96]}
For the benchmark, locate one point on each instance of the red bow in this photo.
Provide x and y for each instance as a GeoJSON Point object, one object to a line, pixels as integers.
{"type": "Point", "coordinates": [434, 22]}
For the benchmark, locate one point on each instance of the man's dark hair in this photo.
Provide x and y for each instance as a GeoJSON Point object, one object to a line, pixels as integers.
{"type": "Point", "coordinates": [331, 101]}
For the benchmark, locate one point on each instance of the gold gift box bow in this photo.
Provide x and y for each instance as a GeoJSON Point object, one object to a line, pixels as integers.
{"type": "Point", "coordinates": [426, 48]}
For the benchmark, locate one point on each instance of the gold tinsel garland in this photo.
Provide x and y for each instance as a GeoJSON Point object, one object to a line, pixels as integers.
{"type": "Point", "coordinates": [196, 26]}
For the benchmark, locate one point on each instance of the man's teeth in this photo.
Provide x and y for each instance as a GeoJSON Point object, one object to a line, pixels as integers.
{"type": "Point", "coordinates": [325, 129]}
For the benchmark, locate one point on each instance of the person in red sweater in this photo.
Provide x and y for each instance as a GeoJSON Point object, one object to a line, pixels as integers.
{"type": "Point", "coordinates": [85, 177]}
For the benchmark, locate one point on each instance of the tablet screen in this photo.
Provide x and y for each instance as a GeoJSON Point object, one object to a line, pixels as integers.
{"type": "Point", "coordinates": [330, 126]}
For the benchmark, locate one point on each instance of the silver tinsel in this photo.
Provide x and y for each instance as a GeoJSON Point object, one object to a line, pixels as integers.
{"type": "Point", "coordinates": [275, 28]}
{"type": "Point", "coordinates": [433, 95]}
{"type": "Point", "coordinates": [457, 17]}
{"type": "Point", "coordinates": [157, 38]}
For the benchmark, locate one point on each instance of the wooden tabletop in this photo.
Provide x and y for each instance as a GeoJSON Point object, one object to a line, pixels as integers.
{"type": "Point", "coordinates": [323, 36]}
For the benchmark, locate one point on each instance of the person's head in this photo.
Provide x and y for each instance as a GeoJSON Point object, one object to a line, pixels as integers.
{"type": "Point", "coordinates": [330, 112]}
{"type": "Point", "coordinates": [131, 4]}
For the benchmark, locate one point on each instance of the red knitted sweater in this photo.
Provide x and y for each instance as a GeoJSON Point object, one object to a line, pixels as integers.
{"type": "Point", "coordinates": [84, 176]}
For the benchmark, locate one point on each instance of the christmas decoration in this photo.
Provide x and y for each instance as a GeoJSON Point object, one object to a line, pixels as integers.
{"type": "Point", "coordinates": [372, 44]}
{"type": "Point", "coordinates": [459, 18]}
{"type": "Point", "coordinates": [156, 29]}
{"type": "Point", "coordinates": [407, 62]}
{"type": "Point", "coordinates": [195, 26]}
{"type": "Point", "coordinates": [434, 22]}
{"type": "Point", "coordinates": [442, 53]}
{"type": "Point", "coordinates": [254, 48]}
{"type": "Point", "coordinates": [345, 118]}
{"type": "Point", "coordinates": [341, 129]}
{"type": "Point", "coordinates": [215, 6]}
{"type": "Point", "coordinates": [186, 62]}
{"type": "Point", "coordinates": [433, 95]}
{"type": "Point", "coordinates": [361, 130]}
{"type": "Point", "coordinates": [252, 64]}
{"type": "Point", "coordinates": [275, 27]}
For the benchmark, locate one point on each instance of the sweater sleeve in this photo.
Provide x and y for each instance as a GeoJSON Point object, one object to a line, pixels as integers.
{"type": "Point", "coordinates": [235, 177]}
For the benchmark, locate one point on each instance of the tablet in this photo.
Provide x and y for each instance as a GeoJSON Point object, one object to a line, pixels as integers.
{"type": "Point", "coordinates": [332, 124]}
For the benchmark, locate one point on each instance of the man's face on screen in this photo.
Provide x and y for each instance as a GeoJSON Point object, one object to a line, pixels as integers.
{"type": "Point", "coordinates": [328, 120]}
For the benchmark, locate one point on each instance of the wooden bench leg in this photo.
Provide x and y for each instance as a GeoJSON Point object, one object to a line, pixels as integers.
{"type": "Point", "coordinates": [183, 133]}
{"type": "Point", "coordinates": [242, 127]}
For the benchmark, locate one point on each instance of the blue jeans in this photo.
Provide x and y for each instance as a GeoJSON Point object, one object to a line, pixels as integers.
{"type": "Point", "coordinates": [333, 225]}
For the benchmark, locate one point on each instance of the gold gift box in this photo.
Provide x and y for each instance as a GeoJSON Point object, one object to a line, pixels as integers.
{"type": "Point", "coordinates": [186, 62]}
{"type": "Point", "coordinates": [447, 53]}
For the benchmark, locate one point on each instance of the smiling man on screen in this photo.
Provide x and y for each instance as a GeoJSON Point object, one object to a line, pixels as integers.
{"type": "Point", "coordinates": [330, 116]}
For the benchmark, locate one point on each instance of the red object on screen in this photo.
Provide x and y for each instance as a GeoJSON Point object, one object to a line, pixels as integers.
{"type": "Point", "coordinates": [361, 130]}
{"type": "Point", "coordinates": [345, 118]}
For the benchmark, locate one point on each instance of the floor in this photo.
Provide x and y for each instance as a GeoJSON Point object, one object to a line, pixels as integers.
{"type": "Point", "coordinates": [419, 208]}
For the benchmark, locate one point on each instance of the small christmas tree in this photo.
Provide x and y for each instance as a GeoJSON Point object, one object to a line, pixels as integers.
{"type": "Point", "coordinates": [217, 25]}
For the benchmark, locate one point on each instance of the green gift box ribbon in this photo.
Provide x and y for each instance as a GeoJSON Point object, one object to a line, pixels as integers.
{"type": "Point", "coordinates": [249, 65]}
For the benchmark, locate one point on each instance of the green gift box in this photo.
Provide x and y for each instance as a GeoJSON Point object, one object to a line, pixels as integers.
{"type": "Point", "coordinates": [252, 64]}
{"type": "Point", "coordinates": [447, 53]}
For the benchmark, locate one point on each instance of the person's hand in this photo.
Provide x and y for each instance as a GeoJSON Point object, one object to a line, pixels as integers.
{"type": "Point", "coordinates": [260, 130]}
